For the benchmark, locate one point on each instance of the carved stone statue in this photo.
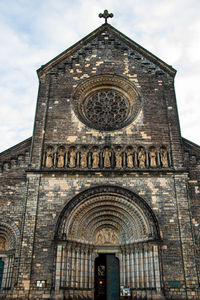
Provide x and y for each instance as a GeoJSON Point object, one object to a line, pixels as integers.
{"type": "Point", "coordinates": [49, 158]}
{"type": "Point", "coordinates": [107, 236]}
{"type": "Point", "coordinates": [118, 157]}
{"type": "Point", "coordinates": [163, 156]}
{"type": "Point", "coordinates": [61, 155]}
{"type": "Point", "coordinates": [129, 158]}
{"type": "Point", "coordinates": [95, 159]}
{"type": "Point", "coordinates": [3, 244]}
{"type": "Point", "coordinates": [72, 159]}
{"type": "Point", "coordinates": [84, 158]}
{"type": "Point", "coordinates": [152, 156]}
{"type": "Point", "coordinates": [106, 156]}
{"type": "Point", "coordinates": [141, 158]}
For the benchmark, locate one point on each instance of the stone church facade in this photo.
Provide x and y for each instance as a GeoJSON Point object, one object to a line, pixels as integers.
{"type": "Point", "coordinates": [102, 202]}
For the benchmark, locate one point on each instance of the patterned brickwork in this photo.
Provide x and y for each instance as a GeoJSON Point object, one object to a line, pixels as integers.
{"type": "Point", "coordinates": [143, 174]}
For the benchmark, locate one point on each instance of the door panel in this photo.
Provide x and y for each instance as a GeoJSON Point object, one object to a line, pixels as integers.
{"type": "Point", "coordinates": [113, 281]}
{"type": "Point", "coordinates": [1, 271]}
{"type": "Point", "coordinates": [107, 282]}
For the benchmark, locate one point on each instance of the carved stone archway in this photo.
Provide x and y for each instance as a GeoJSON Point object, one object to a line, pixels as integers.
{"type": "Point", "coordinates": [107, 219]}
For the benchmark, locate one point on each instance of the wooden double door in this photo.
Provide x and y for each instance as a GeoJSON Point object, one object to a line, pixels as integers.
{"type": "Point", "coordinates": [107, 277]}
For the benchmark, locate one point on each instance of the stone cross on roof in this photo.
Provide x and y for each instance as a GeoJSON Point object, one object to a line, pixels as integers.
{"type": "Point", "coordinates": [106, 15]}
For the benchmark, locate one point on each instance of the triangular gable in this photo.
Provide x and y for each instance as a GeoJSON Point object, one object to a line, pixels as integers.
{"type": "Point", "coordinates": [15, 150]}
{"type": "Point", "coordinates": [107, 27]}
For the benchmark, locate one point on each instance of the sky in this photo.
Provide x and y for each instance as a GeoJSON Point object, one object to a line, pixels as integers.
{"type": "Point", "coordinates": [32, 32]}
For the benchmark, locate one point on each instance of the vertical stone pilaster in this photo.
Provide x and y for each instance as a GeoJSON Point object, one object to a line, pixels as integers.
{"type": "Point", "coordinates": [186, 236]}
{"type": "Point", "coordinates": [30, 220]}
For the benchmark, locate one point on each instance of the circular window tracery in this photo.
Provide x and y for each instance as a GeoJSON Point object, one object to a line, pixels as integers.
{"type": "Point", "coordinates": [106, 109]}
{"type": "Point", "coordinates": [106, 102]}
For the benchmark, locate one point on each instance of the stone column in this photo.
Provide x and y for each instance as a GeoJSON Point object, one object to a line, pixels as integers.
{"type": "Point", "coordinates": [86, 270]}
{"type": "Point", "coordinates": [73, 273]}
{"type": "Point", "coordinates": [132, 269]}
{"type": "Point", "coordinates": [151, 268]}
{"type": "Point", "coordinates": [77, 281]}
{"type": "Point", "coordinates": [89, 269]}
{"type": "Point", "coordinates": [146, 266]}
{"type": "Point", "coordinates": [68, 266]}
{"type": "Point", "coordinates": [58, 267]}
{"type": "Point", "coordinates": [81, 268]}
{"type": "Point", "coordinates": [137, 268]}
{"type": "Point", "coordinates": [156, 268]}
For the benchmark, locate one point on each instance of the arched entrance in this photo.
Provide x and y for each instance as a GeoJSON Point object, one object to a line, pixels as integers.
{"type": "Point", "coordinates": [107, 277]}
{"type": "Point", "coordinates": [103, 223]}
{"type": "Point", "coordinates": [7, 254]}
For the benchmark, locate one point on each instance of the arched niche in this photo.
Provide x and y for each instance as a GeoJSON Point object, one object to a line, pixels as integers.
{"type": "Point", "coordinates": [9, 250]}
{"type": "Point", "coordinates": [121, 213]}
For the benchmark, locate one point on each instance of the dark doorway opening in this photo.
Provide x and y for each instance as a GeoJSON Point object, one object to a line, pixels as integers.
{"type": "Point", "coordinates": [1, 271]}
{"type": "Point", "coordinates": [107, 281]}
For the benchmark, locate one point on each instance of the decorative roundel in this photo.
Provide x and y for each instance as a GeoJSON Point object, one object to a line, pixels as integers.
{"type": "Point", "coordinates": [106, 102]}
{"type": "Point", "coordinates": [106, 109]}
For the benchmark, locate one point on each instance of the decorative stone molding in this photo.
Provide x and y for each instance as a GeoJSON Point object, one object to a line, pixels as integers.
{"type": "Point", "coordinates": [19, 161]}
{"type": "Point", "coordinates": [106, 102]}
{"type": "Point", "coordinates": [105, 157]}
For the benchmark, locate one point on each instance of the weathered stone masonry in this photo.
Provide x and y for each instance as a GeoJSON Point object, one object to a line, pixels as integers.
{"type": "Point", "coordinates": [80, 188]}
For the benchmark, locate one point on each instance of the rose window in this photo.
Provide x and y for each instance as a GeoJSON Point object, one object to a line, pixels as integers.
{"type": "Point", "coordinates": [106, 102]}
{"type": "Point", "coordinates": [106, 109]}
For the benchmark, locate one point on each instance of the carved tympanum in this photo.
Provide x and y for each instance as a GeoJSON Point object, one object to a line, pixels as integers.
{"type": "Point", "coordinates": [107, 236]}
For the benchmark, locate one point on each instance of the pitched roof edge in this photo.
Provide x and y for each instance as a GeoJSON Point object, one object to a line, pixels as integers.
{"type": "Point", "coordinates": [145, 51]}
{"type": "Point", "coordinates": [88, 37]}
{"type": "Point", "coordinates": [17, 146]}
{"type": "Point", "coordinates": [71, 49]}
{"type": "Point", "coordinates": [191, 143]}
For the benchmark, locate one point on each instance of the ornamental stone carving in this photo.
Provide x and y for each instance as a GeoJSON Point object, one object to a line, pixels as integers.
{"type": "Point", "coordinates": [106, 102]}
{"type": "Point", "coordinates": [95, 159]}
{"type": "Point", "coordinates": [141, 158]}
{"type": "Point", "coordinates": [118, 157]}
{"type": "Point", "coordinates": [3, 244]}
{"type": "Point", "coordinates": [163, 156]}
{"type": "Point", "coordinates": [72, 158]}
{"type": "Point", "coordinates": [106, 109]}
{"type": "Point", "coordinates": [107, 236]}
{"type": "Point", "coordinates": [107, 156]}
{"type": "Point", "coordinates": [49, 157]}
{"type": "Point", "coordinates": [152, 155]}
{"type": "Point", "coordinates": [83, 158]}
{"type": "Point", "coordinates": [104, 157]}
{"type": "Point", "coordinates": [129, 158]}
{"type": "Point", "coordinates": [61, 157]}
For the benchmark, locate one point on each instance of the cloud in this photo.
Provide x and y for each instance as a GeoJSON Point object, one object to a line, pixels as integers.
{"type": "Point", "coordinates": [33, 32]}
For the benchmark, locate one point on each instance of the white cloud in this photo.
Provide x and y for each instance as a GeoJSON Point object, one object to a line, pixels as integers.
{"type": "Point", "coordinates": [33, 32]}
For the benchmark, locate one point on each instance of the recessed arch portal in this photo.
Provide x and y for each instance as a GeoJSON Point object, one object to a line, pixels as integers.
{"type": "Point", "coordinates": [107, 207]}
{"type": "Point", "coordinates": [107, 219]}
